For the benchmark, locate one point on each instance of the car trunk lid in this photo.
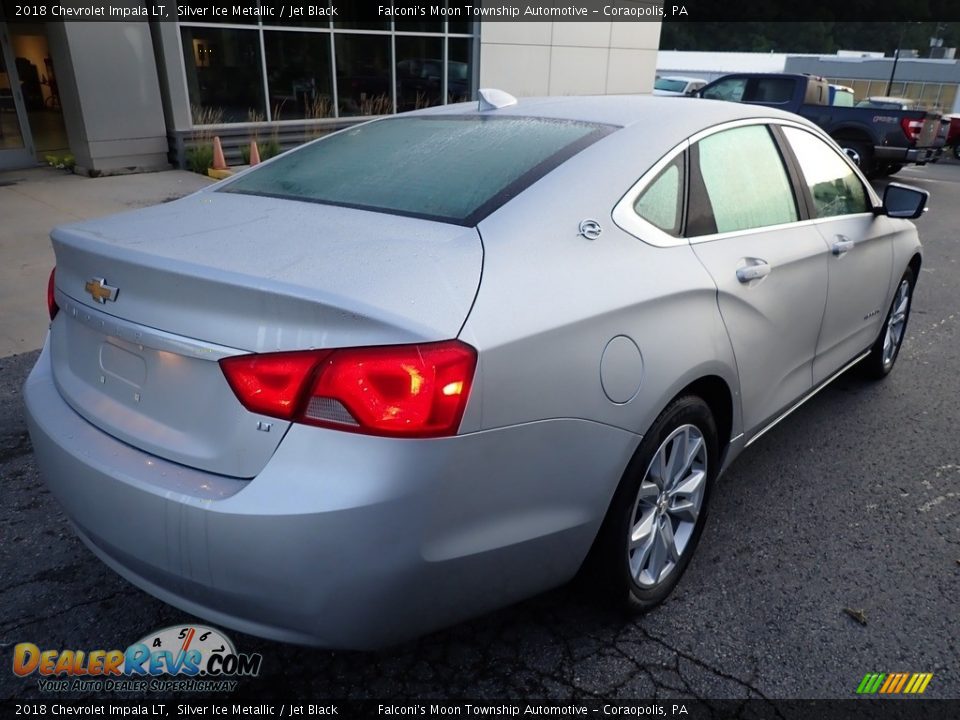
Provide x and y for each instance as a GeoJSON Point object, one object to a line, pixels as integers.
{"type": "Point", "coordinates": [218, 274]}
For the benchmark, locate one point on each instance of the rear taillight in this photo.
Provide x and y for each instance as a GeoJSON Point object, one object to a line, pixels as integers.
{"type": "Point", "coordinates": [52, 306]}
{"type": "Point", "coordinates": [397, 390]}
{"type": "Point", "coordinates": [911, 128]}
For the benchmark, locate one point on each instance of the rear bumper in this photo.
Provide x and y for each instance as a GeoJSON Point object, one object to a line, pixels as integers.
{"type": "Point", "coordinates": [342, 540]}
{"type": "Point", "coordinates": [918, 156]}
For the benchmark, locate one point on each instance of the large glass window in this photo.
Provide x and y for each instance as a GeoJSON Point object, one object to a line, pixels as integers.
{"type": "Point", "coordinates": [224, 74]}
{"type": "Point", "coordinates": [416, 166]}
{"type": "Point", "coordinates": [746, 182]}
{"type": "Point", "coordinates": [459, 76]}
{"type": "Point", "coordinates": [315, 69]}
{"type": "Point", "coordinates": [363, 74]}
{"type": "Point", "coordinates": [835, 187]}
{"type": "Point", "coordinates": [10, 135]}
{"type": "Point", "coordinates": [419, 72]}
{"type": "Point", "coordinates": [929, 96]}
{"type": "Point", "coordinates": [298, 74]}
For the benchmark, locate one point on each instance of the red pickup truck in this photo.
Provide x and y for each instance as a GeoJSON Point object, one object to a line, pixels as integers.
{"type": "Point", "coordinates": [953, 134]}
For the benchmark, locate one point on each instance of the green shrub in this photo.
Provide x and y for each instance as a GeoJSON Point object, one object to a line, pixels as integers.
{"type": "Point", "coordinates": [62, 162]}
{"type": "Point", "coordinates": [200, 158]}
{"type": "Point", "coordinates": [267, 150]}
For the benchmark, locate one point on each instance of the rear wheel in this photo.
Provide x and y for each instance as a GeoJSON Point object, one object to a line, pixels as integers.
{"type": "Point", "coordinates": [657, 515]}
{"type": "Point", "coordinates": [885, 350]}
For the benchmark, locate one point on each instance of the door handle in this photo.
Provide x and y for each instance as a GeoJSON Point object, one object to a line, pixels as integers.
{"type": "Point", "coordinates": [759, 269]}
{"type": "Point", "coordinates": [842, 245]}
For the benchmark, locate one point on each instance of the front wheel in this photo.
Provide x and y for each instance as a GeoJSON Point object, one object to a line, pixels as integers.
{"type": "Point", "coordinates": [658, 512]}
{"type": "Point", "coordinates": [861, 153]}
{"type": "Point", "coordinates": [885, 350]}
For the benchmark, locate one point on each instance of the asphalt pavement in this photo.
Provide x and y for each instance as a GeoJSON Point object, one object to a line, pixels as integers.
{"type": "Point", "coordinates": [852, 503]}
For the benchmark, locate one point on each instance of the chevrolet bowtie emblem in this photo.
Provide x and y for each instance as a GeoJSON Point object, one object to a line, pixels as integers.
{"type": "Point", "coordinates": [100, 291]}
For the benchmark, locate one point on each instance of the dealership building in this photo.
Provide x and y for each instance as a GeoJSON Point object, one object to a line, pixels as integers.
{"type": "Point", "coordinates": [128, 96]}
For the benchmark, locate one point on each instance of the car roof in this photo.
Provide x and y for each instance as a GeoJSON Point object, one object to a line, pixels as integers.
{"type": "Point", "coordinates": [638, 111]}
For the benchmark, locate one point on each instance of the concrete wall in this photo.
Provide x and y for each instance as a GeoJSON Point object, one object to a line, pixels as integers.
{"type": "Point", "coordinates": [569, 58]}
{"type": "Point", "coordinates": [107, 77]}
{"type": "Point", "coordinates": [169, 61]}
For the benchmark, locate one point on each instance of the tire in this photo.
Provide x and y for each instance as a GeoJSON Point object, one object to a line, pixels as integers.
{"type": "Point", "coordinates": [636, 571]}
{"type": "Point", "coordinates": [883, 355]}
{"type": "Point", "coordinates": [861, 153]}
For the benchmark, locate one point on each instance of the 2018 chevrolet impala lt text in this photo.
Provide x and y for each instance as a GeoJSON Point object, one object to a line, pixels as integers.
{"type": "Point", "coordinates": [436, 363]}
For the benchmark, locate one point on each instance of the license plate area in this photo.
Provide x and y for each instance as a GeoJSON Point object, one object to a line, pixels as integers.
{"type": "Point", "coordinates": [158, 392]}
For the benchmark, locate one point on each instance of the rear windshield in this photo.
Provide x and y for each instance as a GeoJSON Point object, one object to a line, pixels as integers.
{"type": "Point", "coordinates": [452, 169]}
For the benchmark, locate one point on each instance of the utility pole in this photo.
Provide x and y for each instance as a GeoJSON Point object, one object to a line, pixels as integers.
{"type": "Point", "coordinates": [896, 57]}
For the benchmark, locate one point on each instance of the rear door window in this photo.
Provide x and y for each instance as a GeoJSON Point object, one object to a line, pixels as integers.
{"type": "Point", "coordinates": [744, 180]}
{"type": "Point", "coordinates": [454, 169]}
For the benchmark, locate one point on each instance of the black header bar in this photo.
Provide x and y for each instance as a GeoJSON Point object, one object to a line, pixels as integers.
{"type": "Point", "coordinates": [401, 11]}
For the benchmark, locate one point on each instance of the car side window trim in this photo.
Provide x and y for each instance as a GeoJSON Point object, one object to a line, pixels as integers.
{"type": "Point", "coordinates": [801, 191]}
{"type": "Point", "coordinates": [700, 218]}
{"type": "Point", "coordinates": [624, 216]}
{"type": "Point", "coordinates": [627, 220]}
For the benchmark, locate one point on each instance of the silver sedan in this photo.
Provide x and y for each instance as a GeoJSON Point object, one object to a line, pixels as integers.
{"type": "Point", "coordinates": [439, 362]}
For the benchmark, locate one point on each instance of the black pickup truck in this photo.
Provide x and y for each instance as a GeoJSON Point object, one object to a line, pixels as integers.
{"type": "Point", "coordinates": [880, 141]}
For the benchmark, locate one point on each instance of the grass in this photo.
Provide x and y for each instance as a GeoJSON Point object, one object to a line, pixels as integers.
{"type": "Point", "coordinates": [200, 154]}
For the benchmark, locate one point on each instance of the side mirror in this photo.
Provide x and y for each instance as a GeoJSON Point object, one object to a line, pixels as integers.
{"type": "Point", "coordinates": [902, 201]}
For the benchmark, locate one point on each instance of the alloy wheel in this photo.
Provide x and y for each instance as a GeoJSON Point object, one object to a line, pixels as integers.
{"type": "Point", "coordinates": [667, 507]}
{"type": "Point", "coordinates": [896, 322]}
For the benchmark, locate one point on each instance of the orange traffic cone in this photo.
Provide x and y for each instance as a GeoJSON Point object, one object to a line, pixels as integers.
{"type": "Point", "coordinates": [254, 153]}
{"type": "Point", "coordinates": [219, 162]}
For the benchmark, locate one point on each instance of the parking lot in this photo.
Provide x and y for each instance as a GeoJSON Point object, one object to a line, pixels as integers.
{"type": "Point", "coordinates": [852, 503]}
